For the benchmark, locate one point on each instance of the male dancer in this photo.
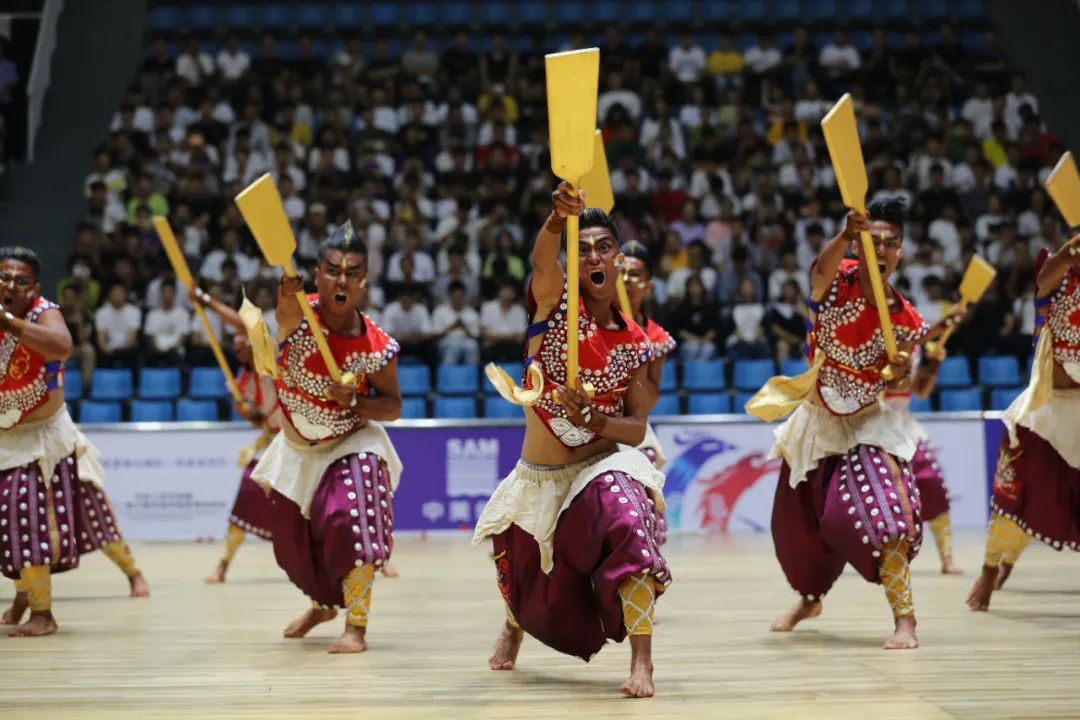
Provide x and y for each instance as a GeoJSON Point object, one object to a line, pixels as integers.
{"type": "Point", "coordinates": [929, 478]}
{"type": "Point", "coordinates": [1037, 479]}
{"type": "Point", "coordinates": [637, 272]}
{"type": "Point", "coordinates": [52, 507]}
{"type": "Point", "coordinates": [575, 524]}
{"type": "Point", "coordinates": [846, 492]}
{"type": "Point", "coordinates": [332, 471]}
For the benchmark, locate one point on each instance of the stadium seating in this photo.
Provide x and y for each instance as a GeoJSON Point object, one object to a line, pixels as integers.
{"type": "Point", "coordinates": [111, 385]}
{"type": "Point", "coordinates": [159, 383]}
{"type": "Point", "coordinates": [151, 411]}
{"type": "Point", "coordinates": [456, 408]}
{"type": "Point", "coordinates": [457, 380]}
{"type": "Point", "coordinates": [94, 411]}
{"type": "Point", "coordinates": [709, 404]}
{"type": "Point", "coordinates": [196, 410]}
{"type": "Point", "coordinates": [703, 375]}
{"type": "Point", "coordinates": [961, 400]}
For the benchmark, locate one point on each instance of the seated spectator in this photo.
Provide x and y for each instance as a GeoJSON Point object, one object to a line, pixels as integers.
{"type": "Point", "coordinates": [788, 272]}
{"type": "Point", "coordinates": [748, 341]}
{"type": "Point", "coordinates": [457, 271]}
{"type": "Point", "coordinates": [198, 352]}
{"type": "Point", "coordinates": [246, 266]}
{"type": "Point", "coordinates": [423, 265]}
{"type": "Point", "coordinates": [725, 65]}
{"type": "Point", "coordinates": [117, 323]}
{"type": "Point", "coordinates": [932, 304]}
{"type": "Point", "coordinates": [503, 321]}
{"type": "Point", "coordinates": [456, 328]}
{"type": "Point", "coordinates": [694, 323]}
{"type": "Point", "coordinates": [103, 211]}
{"type": "Point", "coordinates": [407, 319]}
{"type": "Point", "coordinates": [786, 322]}
{"type": "Point", "coordinates": [81, 328]}
{"type": "Point", "coordinates": [697, 257]}
{"type": "Point", "coordinates": [617, 94]}
{"type": "Point", "coordinates": [167, 329]}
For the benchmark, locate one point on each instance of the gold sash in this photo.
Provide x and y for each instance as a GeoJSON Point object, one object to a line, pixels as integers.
{"type": "Point", "coordinates": [782, 394]}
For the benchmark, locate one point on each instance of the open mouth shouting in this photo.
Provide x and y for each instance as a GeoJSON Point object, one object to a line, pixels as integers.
{"type": "Point", "coordinates": [8, 302]}
{"type": "Point", "coordinates": [597, 277]}
{"type": "Point", "coordinates": [340, 298]}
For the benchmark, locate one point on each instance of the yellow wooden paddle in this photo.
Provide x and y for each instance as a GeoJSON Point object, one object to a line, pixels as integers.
{"type": "Point", "coordinates": [183, 274]}
{"type": "Point", "coordinates": [1063, 184]}
{"type": "Point", "coordinates": [260, 204]}
{"type": "Point", "coordinates": [571, 99]}
{"type": "Point", "coordinates": [842, 138]}
{"type": "Point", "coordinates": [598, 194]}
{"type": "Point", "coordinates": [977, 278]}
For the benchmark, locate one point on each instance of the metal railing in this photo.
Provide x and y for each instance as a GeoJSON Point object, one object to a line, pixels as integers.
{"type": "Point", "coordinates": [41, 71]}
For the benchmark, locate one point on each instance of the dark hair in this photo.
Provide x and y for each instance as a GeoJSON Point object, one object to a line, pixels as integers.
{"type": "Point", "coordinates": [455, 285]}
{"type": "Point", "coordinates": [23, 255]}
{"type": "Point", "coordinates": [345, 240]}
{"type": "Point", "coordinates": [595, 217]}
{"type": "Point", "coordinates": [890, 210]}
{"type": "Point", "coordinates": [634, 249]}
{"type": "Point", "coordinates": [169, 283]}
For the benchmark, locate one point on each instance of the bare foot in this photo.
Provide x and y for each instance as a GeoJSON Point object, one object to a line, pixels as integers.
{"type": "Point", "coordinates": [904, 636]}
{"type": "Point", "coordinates": [640, 683]}
{"type": "Point", "coordinates": [40, 623]}
{"type": "Point", "coordinates": [351, 641]}
{"type": "Point", "coordinates": [218, 576]}
{"type": "Point", "coordinates": [979, 597]}
{"type": "Point", "coordinates": [504, 657]}
{"type": "Point", "coordinates": [390, 571]}
{"type": "Point", "coordinates": [804, 610]}
{"type": "Point", "coordinates": [139, 586]}
{"type": "Point", "coordinates": [1003, 573]}
{"type": "Point", "coordinates": [14, 614]}
{"type": "Point", "coordinates": [302, 625]}
{"type": "Point", "coordinates": [949, 568]}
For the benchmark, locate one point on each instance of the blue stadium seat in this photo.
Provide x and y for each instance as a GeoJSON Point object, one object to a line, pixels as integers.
{"type": "Point", "coordinates": [312, 15]}
{"type": "Point", "coordinates": [111, 385]}
{"type": "Point", "coordinates": [73, 384]}
{"type": "Point", "coordinates": [457, 408]}
{"type": "Point", "coordinates": [919, 404]}
{"type": "Point", "coordinates": [605, 11]}
{"type": "Point", "coordinates": [151, 411]}
{"type": "Point", "coordinates": [414, 380]}
{"type": "Point", "coordinates": [495, 12]}
{"type": "Point", "coordinates": [456, 13]}
{"type": "Point", "coordinates": [750, 10]}
{"type": "Point", "coordinates": [413, 408]}
{"type": "Point", "coordinates": [528, 12]}
{"type": "Point", "coordinates": [166, 18]}
{"type": "Point", "coordinates": [822, 9]}
{"type": "Point", "coordinates": [91, 411]}
{"type": "Point", "coordinates": [667, 405]}
{"type": "Point", "coordinates": [347, 15]}
{"type": "Point", "coordinates": [669, 377]}
{"type": "Point", "coordinates": [188, 410]}
{"type": "Point", "coordinates": [423, 14]}
{"type": "Point", "coordinates": [159, 383]}
{"type": "Point", "coordinates": [1001, 398]}
{"type": "Point", "coordinates": [703, 375]}
{"type": "Point", "coordinates": [793, 367]}
{"type": "Point", "coordinates": [954, 372]}
{"type": "Point", "coordinates": [999, 371]}
{"type": "Point", "coordinates": [968, 9]}
{"type": "Point", "coordinates": [512, 369]}
{"type": "Point", "coordinates": [961, 400]}
{"type": "Point", "coordinates": [241, 17]}
{"type": "Point", "coordinates": [409, 360]}
{"type": "Point", "coordinates": [752, 374]}
{"type": "Point", "coordinates": [207, 382]}
{"type": "Point", "coordinates": [277, 15]}
{"type": "Point", "coordinates": [858, 9]}
{"type": "Point", "coordinates": [384, 14]}
{"type": "Point", "coordinates": [568, 12]}
{"type": "Point", "coordinates": [678, 11]}
{"type": "Point", "coordinates": [716, 11]}
{"type": "Point", "coordinates": [929, 9]}
{"type": "Point", "coordinates": [738, 403]}
{"type": "Point", "coordinates": [496, 407]}
{"type": "Point", "coordinates": [709, 403]}
{"type": "Point", "coordinates": [893, 9]}
{"type": "Point", "coordinates": [204, 17]}
{"type": "Point", "coordinates": [457, 379]}
{"type": "Point", "coordinates": [786, 10]}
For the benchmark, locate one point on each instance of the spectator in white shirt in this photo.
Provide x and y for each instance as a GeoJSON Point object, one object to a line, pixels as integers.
{"type": "Point", "coordinates": [409, 322]}
{"type": "Point", "coordinates": [839, 59]}
{"type": "Point", "coordinates": [789, 271]}
{"type": "Point", "coordinates": [503, 321]}
{"type": "Point", "coordinates": [1018, 95]}
{"type": "Point", "coordinates": [687, 61]}
{"type": "Point", "coordinates": [618, 94]}
{"type": "Point", "coordinates": [198, 351]}
{"type": "Point", "coordinates": [944, 232]}
{"type": "Point", "coordinates": [194, 65]}
{"type": "Point", "coordinates": [246, 267]}
{"type": "Point", "coordinates": [979, 111]}
{"type": "Point", "coordinates": [316, 231]}
{"type": "Point", "coordinates": [423, 265]}
{"type": "Point", "coordinates": [748, 341]}
{"type": "Point", "coordinates": [117, 323]}
{"type": "Point", "coordinates": [232, 61]}
{"type": "Point", "coordinates": [456, 327]}
{"type": "Point", "coordinates": [167, 329]}
{"type": "Point", "coordinates": [763, 57]}
{"type": "Point", "coordinates": [697, 253]}
{"type": "Point", "coordinates": [1005, 176]}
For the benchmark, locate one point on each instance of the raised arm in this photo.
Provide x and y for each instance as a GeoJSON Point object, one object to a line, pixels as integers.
{"type": "Point", "coordinates": [228, 315]}
{"type": "Point", "coordinates": [49, 335]}
{"type": "Point", "coordinates": [288, 312]}
{"type": "Point", "coordinates": [547, 272]}
{"type": "Point", "coordinates": [1056, 266]}
{"type": "Point", "coordinates": [828, 260]}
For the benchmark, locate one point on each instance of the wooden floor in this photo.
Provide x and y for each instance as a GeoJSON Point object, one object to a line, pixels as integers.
{"type": "Point", "coordinates": [199, 651]}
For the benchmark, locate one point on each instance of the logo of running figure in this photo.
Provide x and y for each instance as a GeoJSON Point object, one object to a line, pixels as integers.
{"type": "Point", "coordinates": [721, 490]}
